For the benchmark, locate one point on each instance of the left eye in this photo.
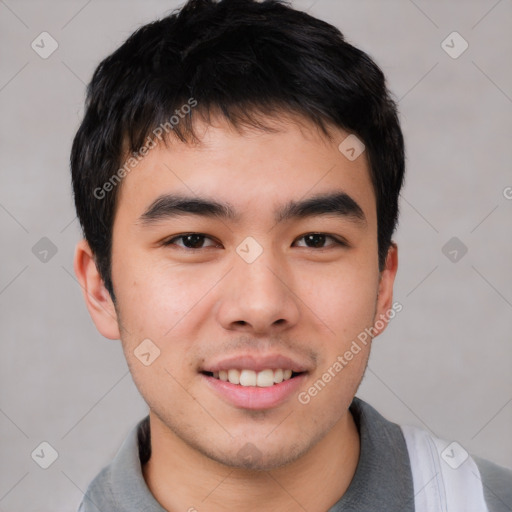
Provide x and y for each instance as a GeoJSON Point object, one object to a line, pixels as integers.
{"type": "Point", "coordinates": [191, 241]}
{"type": "Point", "coordinates": [318, 240]}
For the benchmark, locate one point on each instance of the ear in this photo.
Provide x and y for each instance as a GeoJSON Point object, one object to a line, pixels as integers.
{"type": "Point", "coordinates": [385, 297]}
{"type": "Point", "coordinates": [97, 298]}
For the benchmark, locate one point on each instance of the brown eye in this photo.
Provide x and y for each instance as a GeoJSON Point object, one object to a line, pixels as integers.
{"type": "Point", "coordinates": [318, 241]}
{"type": "Point", "coordinates": [315, 240]}
{"type": "Point", "coordinates": [191, 241]}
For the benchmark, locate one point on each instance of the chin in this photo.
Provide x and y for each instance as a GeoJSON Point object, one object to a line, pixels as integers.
{"type": "Point", "coordinates": [251, 458]}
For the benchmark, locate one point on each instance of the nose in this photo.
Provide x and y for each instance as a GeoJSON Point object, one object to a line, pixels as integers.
{"type": "Point", "coordinates": [258, 298]}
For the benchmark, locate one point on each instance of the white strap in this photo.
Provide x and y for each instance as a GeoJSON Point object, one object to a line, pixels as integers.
{"type": "Point", "coordinates": [445, 477]}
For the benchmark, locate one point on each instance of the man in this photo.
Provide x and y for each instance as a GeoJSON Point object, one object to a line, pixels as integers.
{"type": "Point", "coordinates": [237, 175]}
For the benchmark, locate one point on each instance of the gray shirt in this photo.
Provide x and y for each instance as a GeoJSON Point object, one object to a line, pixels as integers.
{"type": "Point", "coordinates": [382, 481]}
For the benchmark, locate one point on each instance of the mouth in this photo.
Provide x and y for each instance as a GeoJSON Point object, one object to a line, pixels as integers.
{"type": "Point", "coordinates": [250, 378]}
{"type": "Point", "coordinates": [251, 390]}
{"type": "Point", "coordinates": [255, 381]}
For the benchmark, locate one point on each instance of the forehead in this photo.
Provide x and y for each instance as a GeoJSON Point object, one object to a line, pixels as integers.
{"type": "Point", "coordinates": [249, 169]}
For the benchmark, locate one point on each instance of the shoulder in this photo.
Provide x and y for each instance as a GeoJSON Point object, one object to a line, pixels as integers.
{"type": "Point", "coordinates": [99, 494]}
{"type": "Point", "coordinates": [497, 484]}
{"type": "Point", "coordinates": [120, 484]}
{"type": "Point", "coordinates": [445, 473]}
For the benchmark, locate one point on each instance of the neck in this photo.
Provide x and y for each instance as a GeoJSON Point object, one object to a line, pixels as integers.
{"type": "Point", "coordinates": [315, 482]}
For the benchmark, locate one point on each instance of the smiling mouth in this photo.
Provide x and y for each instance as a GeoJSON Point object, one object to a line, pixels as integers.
{"type": "Point", "coordinates": [250, 378]}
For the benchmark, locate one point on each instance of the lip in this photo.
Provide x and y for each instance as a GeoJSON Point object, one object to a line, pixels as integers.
{"type": "Point", "coordinates": [253, 397]}
{"type": "Point", "coordinates": [256, 363]}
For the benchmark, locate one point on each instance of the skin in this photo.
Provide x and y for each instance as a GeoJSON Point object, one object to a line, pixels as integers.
{"type": "Point", "coordinates": [309, 303]}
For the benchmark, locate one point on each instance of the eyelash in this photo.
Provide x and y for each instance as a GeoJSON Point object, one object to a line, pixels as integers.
{"type": "Point", "coordinates": [336, 241]}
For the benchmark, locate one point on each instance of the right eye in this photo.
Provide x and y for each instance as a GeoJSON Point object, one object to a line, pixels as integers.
{"type": "Point", "coordinates": [191, 241]}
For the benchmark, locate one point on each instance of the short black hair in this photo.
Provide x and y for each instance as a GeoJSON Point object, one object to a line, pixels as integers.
{"type": "Point", "coordinates": [240, 59]}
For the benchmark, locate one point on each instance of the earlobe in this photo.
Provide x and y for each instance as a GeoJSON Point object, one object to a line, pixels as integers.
{"type": "Point", "coordinates": [97, 298]}
{"type": "Point", "coordinates": [385, 297]}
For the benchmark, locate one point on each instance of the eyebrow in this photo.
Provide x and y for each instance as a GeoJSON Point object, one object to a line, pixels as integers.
{"type": "Point", "coordinates": [337, 204]}
{"type": "Point", "coordinates": [168, 206]}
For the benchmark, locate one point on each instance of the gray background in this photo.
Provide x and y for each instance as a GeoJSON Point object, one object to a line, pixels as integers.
{"type": "Point", "coordinates": [444, 362]}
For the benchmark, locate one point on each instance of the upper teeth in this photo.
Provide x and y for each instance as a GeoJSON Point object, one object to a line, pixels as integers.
{"type": "Point", "coordinates": [261, 379]}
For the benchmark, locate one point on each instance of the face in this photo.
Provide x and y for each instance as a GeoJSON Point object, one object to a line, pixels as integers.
{"type": "Point", "coordinates": [248, 257]}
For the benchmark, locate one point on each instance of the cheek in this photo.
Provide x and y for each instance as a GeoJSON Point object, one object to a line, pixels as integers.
{"type": "Point", "coordinates": [343, 296]}
{"type": "Point", "coordinates": [170, 307]}
{"type": "Point", "coordinates": [154, 296]}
